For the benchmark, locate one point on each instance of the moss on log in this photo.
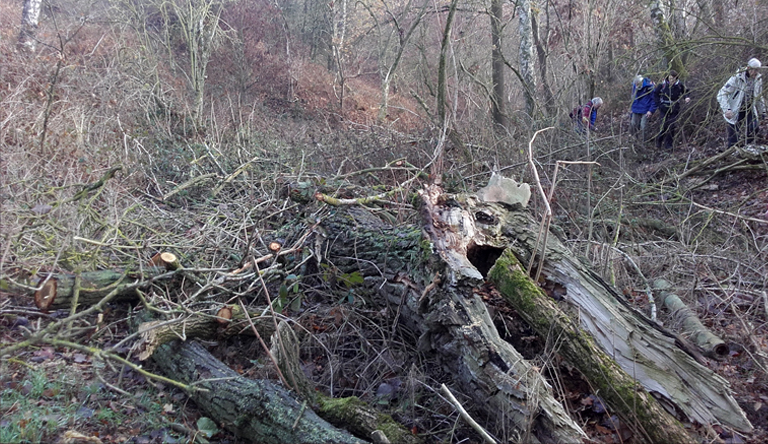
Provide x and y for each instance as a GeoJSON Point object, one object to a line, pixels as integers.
{"type": "Point", "coordinates": [362, 420]}
{"type": "Point", "coordinates": [641, 412]}
{"type": "Point", "coordinates": [641, 347]}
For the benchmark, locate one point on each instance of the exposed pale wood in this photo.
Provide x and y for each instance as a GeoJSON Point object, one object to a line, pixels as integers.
{"type": "Point", "coordinates": [641, 347]}
{"type": "Point", "coordinates": [636, 408]}
{"type": "Point", "coordinates": [45, 296]}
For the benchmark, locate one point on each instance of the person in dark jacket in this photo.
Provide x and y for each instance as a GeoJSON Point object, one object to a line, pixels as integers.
{"type": "Point", "coordinates": [585, 116]}
{"type": "Point", "coordinates": [643, 106]}
{"type": "Point", "coordinates": [741, 100]}
{"type": "Point", "coordinates": [667, 95]}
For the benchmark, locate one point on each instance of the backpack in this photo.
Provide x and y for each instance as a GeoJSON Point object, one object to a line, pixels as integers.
{"type": "Point", "coordinates": [575, 112]}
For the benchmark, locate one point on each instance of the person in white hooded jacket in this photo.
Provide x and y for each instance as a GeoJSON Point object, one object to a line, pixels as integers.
{"type": "Point", "coordinates": [742, 103]}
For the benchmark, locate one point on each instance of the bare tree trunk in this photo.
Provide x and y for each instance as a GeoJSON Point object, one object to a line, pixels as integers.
{"type": "Point", "coordinates": [498, 94]}
{"type": "Point", "coordinates": [541, 52]}
{"type": "Point", "coordinates": [441, 69]}
{"type": "Point", "coordinates": [339, 32]}
{"type": "Point", "coordinates": [667, 42]}
{"type": "Point", "coordinates": [526, 57]}
{"type": "Point", "coordinates": [30, 16]}
{"type": "Point", "coordinates": [199, 24]}
{"type": "Point", "coordinates": [389, 75]}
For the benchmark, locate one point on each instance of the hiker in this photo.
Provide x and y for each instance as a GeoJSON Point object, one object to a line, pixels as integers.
{"type": "Point", "coordinates": [643, 106]}
{"type": "Point", "coordinates": [742, 103]}
{"type": "Point", "coordinates": [585, 116]}
{"type": "Point", "coordinates": [667, 95]}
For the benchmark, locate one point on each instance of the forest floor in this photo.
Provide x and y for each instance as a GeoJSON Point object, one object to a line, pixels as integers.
{"type": "Point", "coordinates": [52, 394]}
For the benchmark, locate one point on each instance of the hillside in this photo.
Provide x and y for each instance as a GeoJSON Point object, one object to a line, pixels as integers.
{"type": "Point", "coordinates": [122, 137]}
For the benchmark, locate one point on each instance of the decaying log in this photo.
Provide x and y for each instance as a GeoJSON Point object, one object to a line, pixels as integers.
{"type": "Point", "coordinates": [453, 322]}
{"type": "Point", "coordinates": [58, 291]}
{"type": "Point", "coordinates": [350, 413]}
{"type": "Point", "coordinates": [642, 348]}
{"type": "Point", "coordinates": [636, 408]}
{"type": "Point", "coordinates": [469, 235]}
{"type": "Point", "coordinates": [690, 324]}
{"type": "Point", "coordinates": [428, 275]}
{"type": "Point", "coordinates": [255, 410]}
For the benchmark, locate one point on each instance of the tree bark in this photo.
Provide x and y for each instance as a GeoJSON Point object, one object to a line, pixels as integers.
{"type": "Point", "coordinates": [468, 236]}
{"type": "Point", "coordinates": [541, 52]}
{"type": "Point", "coordinates": [434, 294]}
{"type": "Point", "coordinates": [640, 346]}
{"type": "Point", "coordinates": [526, 57]}
{"type": "Point", "coordinates": [60, 289]}
{"type": "Point", "coordinates": [690, 324]}
{"type": "Point", "coordinates": [497, 64]}
{"type": "Point", "coordinates": [255, 410]}
{"type": "Point", "coordinates": [350, 413]}
{"type": "Point", "coordinates": [30, 16]}
{"type": "Point", "coordinates": [636, 408]}
{"type": "Point", "coordinates": [441, 66]}
{"type": "Point", "coordinates": [667, 42]}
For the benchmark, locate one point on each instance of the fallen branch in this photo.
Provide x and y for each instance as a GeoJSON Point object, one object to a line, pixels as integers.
{"type": "Point", "coordinates": [691, 325]}
{"type": "Point", "coordinates": [471, 421]}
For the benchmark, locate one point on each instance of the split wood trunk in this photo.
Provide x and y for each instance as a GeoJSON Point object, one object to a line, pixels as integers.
{"type": "Point", "coordinates": [435, 297]}
{"type": "Point", "coordinates": [430, 282]}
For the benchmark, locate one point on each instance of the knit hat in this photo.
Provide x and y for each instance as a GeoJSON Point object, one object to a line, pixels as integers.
{"type": "Point", "coordinates": [597, 102]}
{"type": "Point", "coordinates": [754, 63]}
{"type": "Point", "coordinates": [638, 79]}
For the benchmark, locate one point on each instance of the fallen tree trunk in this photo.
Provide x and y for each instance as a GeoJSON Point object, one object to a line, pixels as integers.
{"type": "Point", "coordinates": [350, 413]}
{"type": "Point", "coordinates": [641, 347]}
{"type": "Point", "coordinates": [255, 410]}
{"type": "Point", "coordinates": [636, 408]}
{"type": "Point", "coordinates": [434, 294]}
{"type": "Point", "coordinates": [431, 280]}
{"type": "Point", "coordinates": [468, 236]}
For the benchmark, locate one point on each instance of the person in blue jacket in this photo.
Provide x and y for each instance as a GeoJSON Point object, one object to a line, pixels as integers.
{"type": "Point", "coordinates": [643, 106]}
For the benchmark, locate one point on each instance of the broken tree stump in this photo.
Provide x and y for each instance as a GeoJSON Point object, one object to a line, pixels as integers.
{"type": "Point", "coordinates": [431, 283]}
